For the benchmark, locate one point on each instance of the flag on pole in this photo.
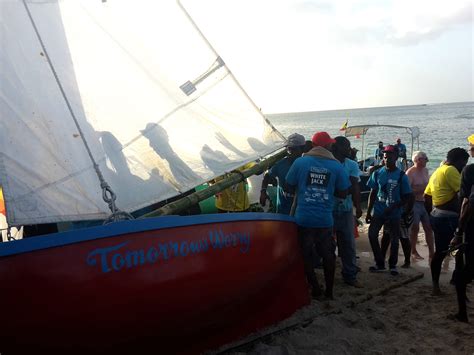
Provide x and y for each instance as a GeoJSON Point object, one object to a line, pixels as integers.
{"type": "Point", "coordinates": [2, 204]}
{"type": "Point", "coordinates": [344, 126]}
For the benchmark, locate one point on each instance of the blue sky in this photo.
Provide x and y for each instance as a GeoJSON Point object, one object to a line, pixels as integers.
{"type": "Point", "coordinates": [292, 55]}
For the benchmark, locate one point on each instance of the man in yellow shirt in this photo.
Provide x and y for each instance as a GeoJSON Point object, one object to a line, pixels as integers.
{"type": "Point", "coordinates": [234, 198]}
{"type": "Point", "coordinates": [441, 200]}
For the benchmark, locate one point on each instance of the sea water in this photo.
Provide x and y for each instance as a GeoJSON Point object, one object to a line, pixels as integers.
{"type": "Point", "coordinates": [442, 126]}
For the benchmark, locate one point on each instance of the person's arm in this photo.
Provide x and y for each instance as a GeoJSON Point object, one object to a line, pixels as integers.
{"type": "Point", "coordinates": [467, 210]}
{"type": "Point", "coordinates": [343, 183]}
{"type": "Point", "coordinates": [370, 205]}
{"type": "Point", "coordinates": [466, 193]}
{"type": "Point", "coordinates": [341, 193]}
{"type": "Point", "coordinates": [427, 196]}
{"type": "Point", "coordinates": [356, 196]}
{"type": "Point", "coordinates": [263, 190]}
{"type": "Point", "coordinates": [428, 203]}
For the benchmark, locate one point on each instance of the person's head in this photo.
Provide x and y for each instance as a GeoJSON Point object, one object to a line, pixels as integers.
{"type": "Point", "coordinates": [399, 140]}
{"type": "Point", "coordinates": [341, 148]}
{"type": "Point", "coordinates": [470, 139]}
{"type": "Point", "coordinates": [457, 157]}
{"type": "Point", "coordinates": [419, 159]}
{"type": "Point", "coordinates": [380, 144]}
{"type": "Point", "coordinates": [322, 139]}
{"type": "Point", "coordinates": [354, 153]}
{"type": "Point", "coordinates": [295, 145]}
{"type": "Point", "coordinates": [390, 156]}
{"type": "Point", "coordinates": [308, 146]}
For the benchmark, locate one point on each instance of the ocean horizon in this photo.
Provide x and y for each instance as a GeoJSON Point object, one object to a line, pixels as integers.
{"type": "Point", "coordinates": [443, 126]}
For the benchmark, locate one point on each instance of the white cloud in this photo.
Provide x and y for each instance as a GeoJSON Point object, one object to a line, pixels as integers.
{"type": "Point", "coordinates": [323, 54]}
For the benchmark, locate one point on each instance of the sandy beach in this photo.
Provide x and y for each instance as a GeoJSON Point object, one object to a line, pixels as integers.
{"type": "Point", "coordinates": [390, 315]}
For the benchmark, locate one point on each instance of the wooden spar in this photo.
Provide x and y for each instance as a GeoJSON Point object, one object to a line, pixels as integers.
{"type": "Point", "coordinates": [232, 179]}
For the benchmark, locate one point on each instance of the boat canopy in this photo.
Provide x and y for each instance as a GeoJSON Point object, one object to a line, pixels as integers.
{"type": "Point", "coordinates": [361, 131]}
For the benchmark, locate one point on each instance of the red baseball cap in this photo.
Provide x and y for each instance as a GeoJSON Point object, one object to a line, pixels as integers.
{"type": "Point", "coordinates": [390, 149]}
{"type": "Point", "coordinates": [322, 139]}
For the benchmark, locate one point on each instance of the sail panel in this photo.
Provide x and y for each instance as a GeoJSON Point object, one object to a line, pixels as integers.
{"type": "Point", "coordinates": [159, 109]}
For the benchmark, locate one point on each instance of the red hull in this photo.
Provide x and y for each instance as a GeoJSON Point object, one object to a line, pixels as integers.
{"type": "Point", "coordinates": [180, 289]}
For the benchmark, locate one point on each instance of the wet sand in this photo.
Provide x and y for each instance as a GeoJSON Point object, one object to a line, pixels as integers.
{"type": "Point", "coordinates": [405, 319]}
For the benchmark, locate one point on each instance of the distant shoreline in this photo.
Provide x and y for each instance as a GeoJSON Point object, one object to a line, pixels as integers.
{"type": "Point", "coordinates": [365, 108]}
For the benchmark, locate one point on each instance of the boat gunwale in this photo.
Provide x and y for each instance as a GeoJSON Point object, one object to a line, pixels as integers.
{"type": "Point", "coordinates": [116, 229]}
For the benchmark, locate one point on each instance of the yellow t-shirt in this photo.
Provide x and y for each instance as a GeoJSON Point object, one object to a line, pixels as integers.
{"type": "Point", "coordinates": [444, 183]}
{"type": "Point", "coordinates": [234, 198]}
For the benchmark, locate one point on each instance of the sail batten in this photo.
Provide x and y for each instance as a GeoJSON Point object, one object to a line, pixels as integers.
{"type": "Point", "coordinates": [122, 65]}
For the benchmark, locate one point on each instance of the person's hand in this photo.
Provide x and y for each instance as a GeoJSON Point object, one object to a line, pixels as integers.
{"type": "Point", "coordinates": [455, 241]}
{"type": "Point", "coordinates": [368, 218]}
{"type": "Point", "coordinates": [263, 197]}
{"type": "Point", "coordinates": [358, 213]}
{"type": "Point", "coordinates": [457, 238]}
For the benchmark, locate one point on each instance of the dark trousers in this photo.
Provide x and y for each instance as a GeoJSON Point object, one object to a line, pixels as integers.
{"type": "Point", "coordinates": [322, 241]}
{"type": "Point", "coordinates": [394, 226]}
{"type": "Point", "coordinates": [405, 242]}
{"type": "Point", "coordinates": [464, 272]}
{"type": "Point", "coordinates": [443, 230]}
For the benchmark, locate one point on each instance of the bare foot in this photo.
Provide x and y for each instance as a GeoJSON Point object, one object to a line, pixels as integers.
{"type": "Point", "coordinates": [417, 256]}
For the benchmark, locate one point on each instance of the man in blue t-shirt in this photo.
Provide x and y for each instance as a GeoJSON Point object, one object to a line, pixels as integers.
{"type": "Point", "coordinates": [390, 192]}
{"type": "Point", "coordinates": [402, 155]}
{"type": "Point", "coordinates": [343, 213]}
{"type": "Point", "coordinates": [317, 177]}
{"type": "Point", "coordinates": [378, 155]}
{"type": "Point", "coordinates": [295, 146]}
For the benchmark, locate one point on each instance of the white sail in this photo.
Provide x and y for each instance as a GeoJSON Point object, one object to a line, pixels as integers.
{"type": "Point", "coordinates": [159, 109]}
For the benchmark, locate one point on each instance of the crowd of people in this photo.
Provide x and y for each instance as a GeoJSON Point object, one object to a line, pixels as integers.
{"type": "Point", "coordinates": [320, 186]}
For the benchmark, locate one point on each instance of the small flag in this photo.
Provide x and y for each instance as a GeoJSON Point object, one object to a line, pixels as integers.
{"type": "Point", "coordinates": [344, 126]}
{"type": "Point", "coordinates": [2, 203]}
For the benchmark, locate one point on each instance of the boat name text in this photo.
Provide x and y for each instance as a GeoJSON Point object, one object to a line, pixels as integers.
{"type": "Point", "coordinates": [116, 257]}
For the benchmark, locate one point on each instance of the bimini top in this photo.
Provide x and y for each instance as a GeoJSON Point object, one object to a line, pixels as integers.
{"type": "Point", "coordinates": [361, 130]}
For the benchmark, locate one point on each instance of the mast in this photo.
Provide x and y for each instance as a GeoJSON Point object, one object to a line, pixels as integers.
{"type": "Point", "coordinates": [234, 178]}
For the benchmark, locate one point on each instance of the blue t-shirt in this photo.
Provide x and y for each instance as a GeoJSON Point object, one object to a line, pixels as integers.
{"type": "Point", "coordinates": [402, 150]}
{"type": "Point", "coordinates": [316, 180]}
{"type": "Point", "coordinates": [284, 198]}
{"type": "Point", "coordinates": [378, 153]}
{"type": "Point", "coordinates": [388, 190]}
{"type": "Point", "coordinates": [352, 169]}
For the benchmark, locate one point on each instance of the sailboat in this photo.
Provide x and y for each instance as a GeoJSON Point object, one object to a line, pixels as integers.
{"type": "Point", "coordinates": [108, 107]}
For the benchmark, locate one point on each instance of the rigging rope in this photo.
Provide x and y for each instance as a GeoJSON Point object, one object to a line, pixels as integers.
{"type": "Point", "coordinates": [107, 193]}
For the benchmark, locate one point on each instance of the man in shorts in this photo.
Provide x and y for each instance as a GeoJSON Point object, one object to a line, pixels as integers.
{"type": "Point", "coordinates": [418, 176]}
